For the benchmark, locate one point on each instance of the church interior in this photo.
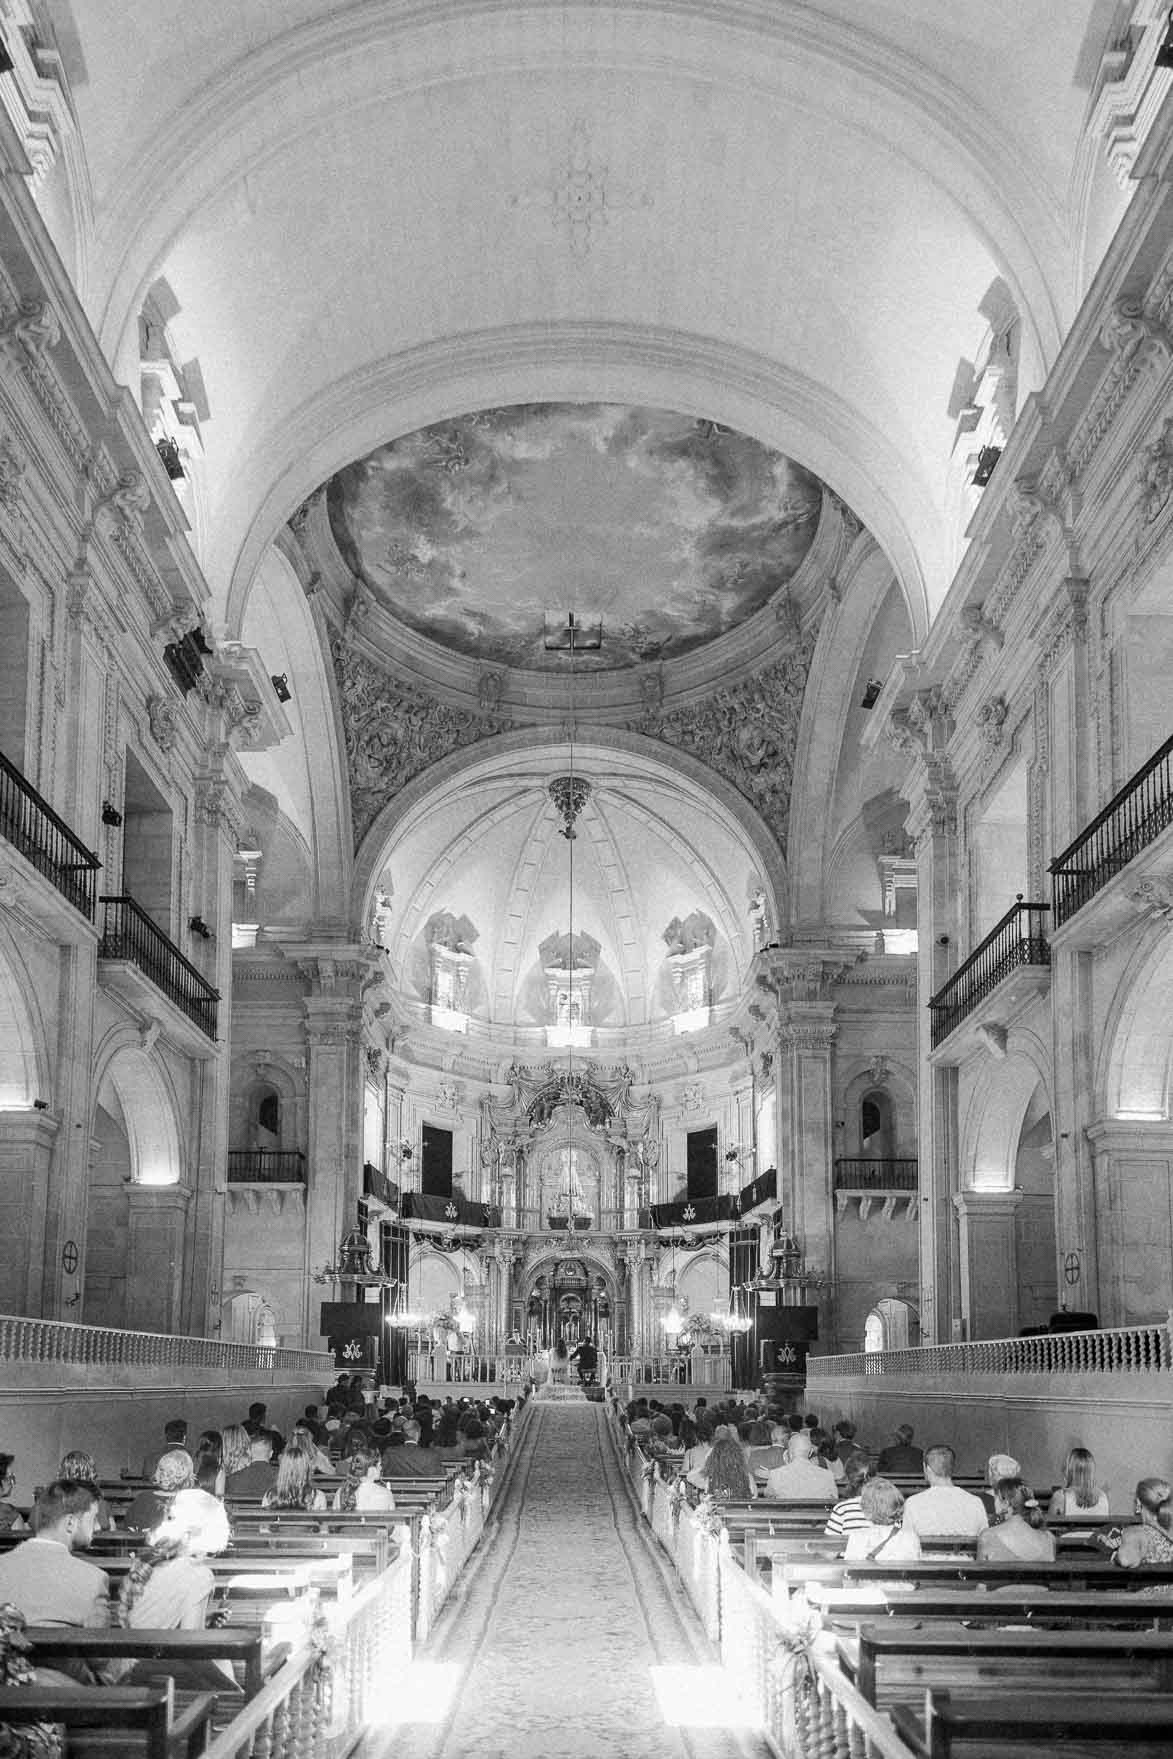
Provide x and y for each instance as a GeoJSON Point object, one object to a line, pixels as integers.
{"type": "Point", "coordinates": [586, 604]}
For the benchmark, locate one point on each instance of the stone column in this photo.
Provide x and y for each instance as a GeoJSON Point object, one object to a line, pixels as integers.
{"type": "Point", "coordinates": [333, 1029]}
{"type": "Point", "coordinates": [1133, 1196]}
{"type": "Point", "coordinates": [806, 1039]}
{"type": "Point", "coordinates": [989, 1262]}
{"type": "Point", "coordinates": [26, 1152]}
{"type": "Point", "coordinates": [920, 731]}
{"type": "Point", "coordinates": [156, 1231]}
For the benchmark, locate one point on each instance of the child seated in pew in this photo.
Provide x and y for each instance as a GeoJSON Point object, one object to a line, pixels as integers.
{"type": "Point", "coordinates": [169, 1588]}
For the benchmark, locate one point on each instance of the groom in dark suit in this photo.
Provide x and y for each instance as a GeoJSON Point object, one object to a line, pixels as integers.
{"type": "Point", "coordinates": [587, 1359]}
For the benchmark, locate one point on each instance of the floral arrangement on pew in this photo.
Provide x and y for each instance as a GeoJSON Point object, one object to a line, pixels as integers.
{"type": "Point", "coordinates": [709, 1517]}
{"type": "Point", "coordinates": [33, 1740]}
{"type": "Point", "coordinates": [677, 1500]}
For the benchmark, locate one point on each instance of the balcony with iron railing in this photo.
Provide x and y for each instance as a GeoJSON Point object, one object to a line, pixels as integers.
{"type": "Point", "coordinates": [1128, 833]}
{"type": "Point", "coordinates": [1012, 963]}
{"type": "Point", "coordinates": [871, 1173]}
{"type": "Point", "coordinates": [266, 1166]}
{"type": "Point", "coordinates": [46, 842]}
{"type": "Point", "coordinates": [133, 945]}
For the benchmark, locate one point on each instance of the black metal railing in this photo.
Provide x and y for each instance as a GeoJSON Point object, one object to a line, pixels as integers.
{"type": "Point", "coordinates": [375, 1183]}
{"type": "Point", "coordinates": [46, 841]}
{"type": "Point", "coordinates": [1018, 939]}
{"type": "Point", "coordinates": [266, 1166]}
{"type": "Point", "coordinates": [864, 1172]}
{"type": "Point", "coordinates": [129, 933]}
{"type": "Point", "coordinates": [1132, 819]}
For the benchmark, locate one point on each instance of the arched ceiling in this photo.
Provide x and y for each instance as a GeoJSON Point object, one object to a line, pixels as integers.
{"type": "Point", "coordinates": [486, 848]}
{"type": "Point", "coordinates": [781, 216]}
{"type": "Point", "coordinates": [660, 531]}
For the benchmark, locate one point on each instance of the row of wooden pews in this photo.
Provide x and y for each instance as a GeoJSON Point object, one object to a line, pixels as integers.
{"type": "Point", "coordinates": [873, 1660]}
{"type": "Point", "coordinates": [325, 1609]}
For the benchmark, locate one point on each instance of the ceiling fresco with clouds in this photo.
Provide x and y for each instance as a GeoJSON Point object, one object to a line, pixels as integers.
{"type": "Point", "coordinates": [670, 529]}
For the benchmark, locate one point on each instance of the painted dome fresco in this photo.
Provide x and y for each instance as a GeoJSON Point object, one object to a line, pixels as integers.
{"type": "Point", "coordinates": [670, 529]}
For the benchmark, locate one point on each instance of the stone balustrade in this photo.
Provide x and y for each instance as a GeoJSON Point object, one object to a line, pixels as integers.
{"type": "Point", "coordinates": [1129, 1349]}
{"type": "Point", "coordinates": [50, 1340]}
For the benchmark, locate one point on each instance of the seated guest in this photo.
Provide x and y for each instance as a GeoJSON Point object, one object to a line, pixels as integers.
{"type": "Point", "coordinates": [1079, 1494]}
{"type": "Point", "coordinates": [42, 1577]}
{"type": "Point", "coordinates": [848, 1514]}
{"type": "Point", "coordinates": [695, 1456]}
{"type": "Point", "coordinates": [474, 1444]}
{"type": "Point", "coordinates": [362, 1489]}
{"type": "Point", "coordinates": [845, 1443]}
{"type": "Point", "coordinates": [766, 1459]}
{"type": "Point", "coordinates": [411, 1459]}
{"type": "Point", "coordinates": [725, 1475]}
{"type": "Point", "coordinates": [174, 1436]}
{"type": "Point", "coordinates": [900, 1456]}
{"type": "Point", "coordinates": [321, 1461]}
{"type": "Point", "coordinates": [257, 1423]}
{"type": "Point", "coordinates": [1151, 1540]}
{"type": "Point", "coordinates": [258, 1476]}
{"type": "Point", "coordinates": [883, 1537]}
{"type": "Point", "coordinates": [1019, 1533]}
{"type": "Point", "coordinates": [998, 1466]}
{"type": "Point", "coordinates": [174, 1471]}
{"type": "Point", "coordinates": [943, 1511]}
{"type": "Point", "coordinates": [801, 1479]}
{"type": "Point", "coordinates": [825, 1454]}
{"type": "Point", "coordinates": [235, 1449]}
{"type": "Point", "coordinates": [81, 1468]}
{"type": "Point", "coordinates": [11, 1519]}
{"type": "Point", "coordinates": [169, 1588]}
{"type": "Point", "coordinates": [295, 1488]}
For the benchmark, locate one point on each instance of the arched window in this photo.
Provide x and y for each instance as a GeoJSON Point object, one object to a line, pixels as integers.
{"type": "Point", "coordinates": [876, 1133]}
{"type": "Point", "coordinates": [266, 1117]}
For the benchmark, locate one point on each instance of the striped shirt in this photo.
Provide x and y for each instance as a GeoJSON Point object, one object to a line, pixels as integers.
{"type": "Point", "coordinates": [845, 1517]}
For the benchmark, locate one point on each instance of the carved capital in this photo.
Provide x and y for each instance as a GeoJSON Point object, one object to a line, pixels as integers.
{"type": "Point", "coordinates": [33, 327]}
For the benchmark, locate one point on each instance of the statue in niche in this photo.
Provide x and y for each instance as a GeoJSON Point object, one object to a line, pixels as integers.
{"type": "Point", "coordinates": [570, 1198]}
{"type": "Point", "coordinates": [695, 931]}
{"type": "Point", "coordinates": [455, 934]}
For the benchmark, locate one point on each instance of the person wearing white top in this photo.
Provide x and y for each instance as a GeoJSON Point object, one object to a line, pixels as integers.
{"type": "Point", "coordinates": [801, 1479]}
{"type": "Point", "coordinates": [943, 1511]}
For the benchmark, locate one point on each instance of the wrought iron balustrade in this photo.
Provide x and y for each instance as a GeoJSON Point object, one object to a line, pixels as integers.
{"type": "Point", "coordinates": [129, 933]}
{"type": "Point", "coordinates": [1132, 819]}
{"type": "Point", "coordinates": [869, 1173]}
{"type": "Point", "coordinates": [29, 823]}
{"type": "Point", "coordinates": [1018, 939]}
{"type": "Point", "coordinates": [266, 1166]}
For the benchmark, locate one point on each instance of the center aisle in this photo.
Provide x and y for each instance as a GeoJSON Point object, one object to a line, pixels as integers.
{"type": "Point", "coordinates": [572, 1635]}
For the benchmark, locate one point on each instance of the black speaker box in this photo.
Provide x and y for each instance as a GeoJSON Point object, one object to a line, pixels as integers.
{"type": "Point", "coordinates": [788, 1325]}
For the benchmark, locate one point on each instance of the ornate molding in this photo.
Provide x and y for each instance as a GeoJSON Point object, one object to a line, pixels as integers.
{"type": "Point", "coordinates": [1156, 474]}
{"type": "Point", "coordinates": [164, 721]}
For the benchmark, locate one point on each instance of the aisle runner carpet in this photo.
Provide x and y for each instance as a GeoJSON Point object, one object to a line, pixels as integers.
{"type": "Point", "coordinates": [572, 1636]}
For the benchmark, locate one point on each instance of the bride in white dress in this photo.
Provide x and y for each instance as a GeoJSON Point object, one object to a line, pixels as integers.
{"type": "Point", "coordinates": [557, 1363]}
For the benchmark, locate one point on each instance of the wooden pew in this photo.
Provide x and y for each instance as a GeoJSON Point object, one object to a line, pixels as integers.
{"type": "Point", "coordinates": [143, 1720]}
{"type": "Point", "coordinates": [1041, 1725]}
{"type": "Point", "coordinates": [859, 1603]}
{"type": "Point", "coordinates": [241, 1646]}
{"type": "Point", "coordinates": [1122, 1661]}
{"type": "Point", "coordinates": [1072, 1575]}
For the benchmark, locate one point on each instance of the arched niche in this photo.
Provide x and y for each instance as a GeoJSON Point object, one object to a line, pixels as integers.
{"type": "Point", "coordinates": [1135, 1077]}
{"type": "Point", "coordinates": [132, 1086]}
{"type": "Point", "coordinates": [998, 1104]}
{"type": "Point", "coordinates": [24, 1060]}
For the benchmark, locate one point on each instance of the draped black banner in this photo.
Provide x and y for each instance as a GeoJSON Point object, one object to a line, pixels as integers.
{"type": "Point", "coordinates": [696, 1212]}
{"type": "Point", "coordinates": [743, 1265]}
{"type": "Point", "coordinates": [760, 1190]}
{"type": "Point", "coordinates": [417, 1207]}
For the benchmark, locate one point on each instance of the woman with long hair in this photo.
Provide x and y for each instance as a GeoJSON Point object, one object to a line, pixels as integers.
{"type": "Point", "coordinates": [362, 1489]}
{"type": "Point", "coordinates": [235, 1448]}
{"type": "Point", "coordinates": [1079, 1494]}
{"type": "Point", "coordinates": [209, 1462]}
{"type": "Point", "coordinates": [295, 1488]}
{"type": "Point", "coordinates": [725, 1475]}
{"type": "Point", "coordinates": [1019, 1532]}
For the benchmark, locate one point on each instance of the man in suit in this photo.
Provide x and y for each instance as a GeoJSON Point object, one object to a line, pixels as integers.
{"type": "Point", "coordinates": [43, 1578]}
{"type": "Point", "coordinates": [411, 1460]}
{"type": "Point", "coordinates": [258, 1476]}
{"type": "Point", "coordinates": [174, 1436]}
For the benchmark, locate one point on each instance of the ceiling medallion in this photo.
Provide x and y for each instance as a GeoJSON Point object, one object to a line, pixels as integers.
{"type": "Point", "coordinates": [569, 794]}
